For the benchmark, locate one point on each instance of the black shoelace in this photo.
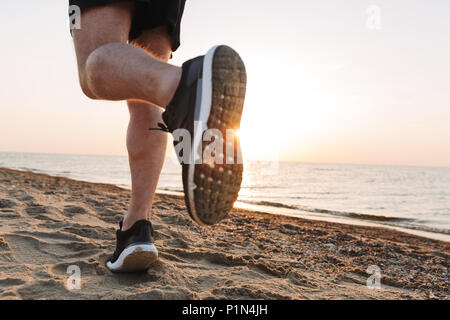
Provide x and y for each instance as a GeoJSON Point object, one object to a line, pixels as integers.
{"type": "Point", "coordinates": [161, 127]}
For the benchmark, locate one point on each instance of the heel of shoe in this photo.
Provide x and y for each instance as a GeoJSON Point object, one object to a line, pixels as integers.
{"type": "Point", "coordinates": [136, 257]}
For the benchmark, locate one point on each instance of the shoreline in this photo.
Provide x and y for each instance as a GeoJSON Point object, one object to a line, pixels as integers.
{"type": "Point", "coordinates": [49, 223]}
{"type": "Point", "coordinates": [296, 213]}
{"type": "Point", "coordinates": [290, 211]}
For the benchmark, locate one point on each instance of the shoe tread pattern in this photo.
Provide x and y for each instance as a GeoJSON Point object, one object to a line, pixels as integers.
{"type": "Point", "coordinates": [218, 186]}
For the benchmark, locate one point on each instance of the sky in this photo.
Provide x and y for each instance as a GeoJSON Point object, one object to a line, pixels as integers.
{"type": "Point", "coordinates": [339, 81]}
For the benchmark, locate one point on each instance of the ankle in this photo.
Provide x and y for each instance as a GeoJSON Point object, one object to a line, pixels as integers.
{"type": "Point", "coordinates": [129, 220]}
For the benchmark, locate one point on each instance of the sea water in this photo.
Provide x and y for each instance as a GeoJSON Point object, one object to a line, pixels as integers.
{"type": "Point", "coordinates": [417, 198]}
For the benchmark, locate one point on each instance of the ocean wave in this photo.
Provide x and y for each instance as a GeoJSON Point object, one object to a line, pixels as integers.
{"type": "Point", "coordinates": [269, 204]}
{"type": "Point", "coordinates": [362, 216]}
{"type": "Point", "coordinates": [402, 222]}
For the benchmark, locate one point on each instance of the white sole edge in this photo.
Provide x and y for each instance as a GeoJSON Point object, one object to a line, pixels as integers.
{"type": "Point", "coordinates": [133, 249]}
{"type": "Point", "coordinates": [205, 110]}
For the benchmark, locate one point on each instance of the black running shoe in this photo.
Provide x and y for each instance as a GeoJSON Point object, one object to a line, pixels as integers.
{"type": "Point", "coordinates": [210, 96]}
{"type": "Point", "coordinates": [135, 250]}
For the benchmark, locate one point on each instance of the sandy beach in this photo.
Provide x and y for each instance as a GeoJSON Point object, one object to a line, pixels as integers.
{"type": "Point", "coordinates": [49, 223]}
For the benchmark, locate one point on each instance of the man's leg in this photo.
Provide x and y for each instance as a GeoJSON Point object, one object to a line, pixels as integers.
{"type": "Point", "coordinates": [146, 153]}
{"type": "Point", "coordinates": [110, 68]}
{"type": "Point", "coordinates": [146, 149]}
{"type": "Point", "coordinates": [106, 29]}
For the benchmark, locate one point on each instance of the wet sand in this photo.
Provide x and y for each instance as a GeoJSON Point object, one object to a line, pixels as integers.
{"type": "Point", "coordinates": [50, 223]}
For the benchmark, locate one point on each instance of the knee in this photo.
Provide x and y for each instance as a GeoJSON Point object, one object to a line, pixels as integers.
{"type": "Point", "coordinates": [90, 77]}
{"type": "Point", "coordinates": [91, 80]}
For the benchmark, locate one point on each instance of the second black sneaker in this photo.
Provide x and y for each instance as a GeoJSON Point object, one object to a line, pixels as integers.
{"type": "Point", "coordinates": [135, 250]}
{"type": "Point", "coordinates": [210, 95]}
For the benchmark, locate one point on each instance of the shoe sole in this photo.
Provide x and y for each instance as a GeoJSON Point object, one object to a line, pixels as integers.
{"type": "Point", "coordinates": [212, 189]}
{"type": "Point", "coordinates": [136, 257]}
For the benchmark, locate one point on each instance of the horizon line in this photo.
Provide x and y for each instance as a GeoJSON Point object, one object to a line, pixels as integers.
{"type": "Point", "coordinates": [282, 161]}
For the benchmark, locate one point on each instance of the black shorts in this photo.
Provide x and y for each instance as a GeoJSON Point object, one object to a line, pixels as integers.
{"type": "Point", "coordinates": [148, 14]}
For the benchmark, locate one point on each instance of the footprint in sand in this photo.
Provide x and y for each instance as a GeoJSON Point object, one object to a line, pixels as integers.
{"type": "Point", "coordinates": [110, 216]}
{"type": "Point", "coordinates": [249, 292]}
{"type": "Point", "coordinates": [40, 212]}
{"type": "Point", "coordinates": [36, 209]}
{"type": "Point", "coordinates": [94, 202]}
{"type": "Point", "coordinates": [10, 282]}
{"type": "Point", "coordinates": [47, 289]}
{"type": "Point", "coordinates": [175, 219]}
{"type": "Point", "coordinates": [90, 267]}
{"type": "Point", "coordinates": [27, 250]}
{"type": "Point", "coordinates": [33, 250]}
{"type": "Point", "coordinates": [71, 210]}
{"type": "Point", "coordinates": [7, 204]}
{"type": "Point", "coordinates": [90, 232]}
{"type": "Point", "coordinates": [21, 195]}
{"type": "Point", "coordinates": [56, 237]}
{"type": "Point", "coordinates": [9, 214]}
{"type": "Point", "coordinates": [176, 243]}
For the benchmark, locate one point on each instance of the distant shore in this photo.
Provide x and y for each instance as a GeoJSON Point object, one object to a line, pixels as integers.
{"type": "Point", "coordinates": [49, 223]}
